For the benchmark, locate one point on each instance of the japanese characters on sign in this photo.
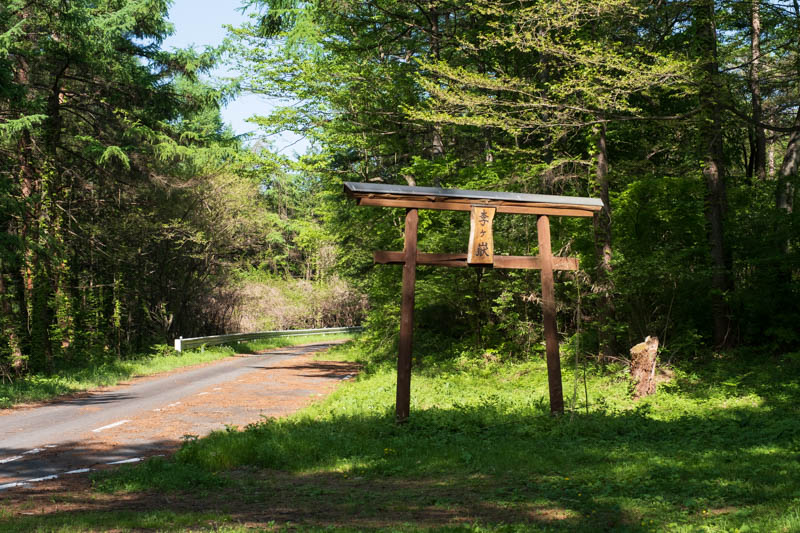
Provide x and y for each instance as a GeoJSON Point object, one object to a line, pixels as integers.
{"type": "Point", "coordinates": [481, 241]}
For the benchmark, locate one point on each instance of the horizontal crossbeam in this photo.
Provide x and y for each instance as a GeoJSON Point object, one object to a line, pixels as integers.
{"type": "Point", "coordinates": [460, 260]}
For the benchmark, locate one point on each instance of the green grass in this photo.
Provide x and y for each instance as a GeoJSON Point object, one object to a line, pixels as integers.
{"type": "Point", "coordinates": [715, 450]}
{"type": "Point", "coordinates": [109, 371]}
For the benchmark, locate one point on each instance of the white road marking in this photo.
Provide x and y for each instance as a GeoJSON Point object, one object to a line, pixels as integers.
{"type": "Point", "coordinates": [156, 410]}
{"type": "Point", "coordinates": [55, 476]}
{"type": "Point", "coordinates": [9, 459]}
{"type": "Point", "coordinates": [38, 479]}
{"type": "Point", "coordinates": [115, 424]}
{"type": "Point", "coordinates": [123, 461]}
{"type": "Point", "coordinates": [203, 393]}
{"type": "Point", "coordinates": [12, 485]}
{"type": "Point", "coordinates": [51, 446]}
{"type": "Point", "coordinates": [32, 452]}
{"type": "Point", "coordinates": [174, 404]}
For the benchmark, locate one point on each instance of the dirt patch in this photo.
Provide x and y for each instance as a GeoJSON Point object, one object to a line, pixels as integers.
{"type": "Point", "coordinates": [267, 391]}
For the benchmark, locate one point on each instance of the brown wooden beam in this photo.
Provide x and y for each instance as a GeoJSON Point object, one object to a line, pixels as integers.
{"type": "Point", "coordinates": [460, 260]}
{"type": "Point", "coordinates": [451, 205]}
{"type": "Point", "coordinates": [534, 263]}
{"type": "Point", "coordinates": [398, 258]}
{"type": "Point", "coordinates": [549, 315]}
{"type": "Point", "coordinates": [403, 398]}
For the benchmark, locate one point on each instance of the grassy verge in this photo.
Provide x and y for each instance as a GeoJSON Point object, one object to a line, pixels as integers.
{"type": "Point", "coordinates": [716, 449]}
{"type": "Point", "coordinates": [110, 371]}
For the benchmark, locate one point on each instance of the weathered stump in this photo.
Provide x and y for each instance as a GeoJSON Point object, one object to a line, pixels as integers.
{"type": "Point", "coordinates": [643, 367]}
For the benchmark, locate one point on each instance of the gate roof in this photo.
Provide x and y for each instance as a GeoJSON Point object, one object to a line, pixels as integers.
{"type": "Point", "coordinates": [386, 195]}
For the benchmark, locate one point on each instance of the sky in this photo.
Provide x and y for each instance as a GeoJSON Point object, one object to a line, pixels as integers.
{"type": "Point", "coordinates": [199, 23]}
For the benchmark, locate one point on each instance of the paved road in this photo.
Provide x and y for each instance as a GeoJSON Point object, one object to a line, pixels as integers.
{"type": "Point", "coordinates": [151, 415]}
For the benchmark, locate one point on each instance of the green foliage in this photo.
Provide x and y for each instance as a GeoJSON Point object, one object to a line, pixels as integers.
{"type": "Point", "coordinates": [764, 246]}
{"type": "Point", "coordinates": [128, 208]}
{"type": "Point", "coordinates": [660, 228]}
{"type": "Point", "coordinates": [14, 127]}
{"type": "Point", "coordinates": [127, 204]}
{"type": "Point", "coordinates": [585, 63]}
{"type": "Point", "coordinates": [515, 97]}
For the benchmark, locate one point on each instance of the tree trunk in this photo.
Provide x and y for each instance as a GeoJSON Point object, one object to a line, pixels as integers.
{"type": "Point", "coordinates": [437, 145]}
{"type": "Point", "coordinates": [784, 202]}
{"type": "Point", "coordinates": [24, 230]}
{"type": "Point", "coordinates": [602, 232]}
{"type": "Point", "coordinates": [8, 325]}
{"type": "Point", "coordinates": [644, 358]}
{"type": "Point", "coordinates": [771, 158]}
{"type": "Point", "coordinates": [759, 154]}
{"type": "Point", "coordinates": [784, 194]}
{"type": "Point", "coordinates": [714, 171]}
{"type": "Point", "coordinates": [35, 293]}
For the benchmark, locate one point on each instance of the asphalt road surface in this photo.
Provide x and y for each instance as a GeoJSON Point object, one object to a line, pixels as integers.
{"type": "Point", "coordinates": [151, 416]}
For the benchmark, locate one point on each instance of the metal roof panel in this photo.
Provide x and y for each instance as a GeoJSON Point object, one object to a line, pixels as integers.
{"type": "Point", "coordinates": [378, 189]}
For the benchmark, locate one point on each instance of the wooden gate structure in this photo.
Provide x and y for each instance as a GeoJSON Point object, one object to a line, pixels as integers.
{"type": "Point", "coordinates": [482, 206]}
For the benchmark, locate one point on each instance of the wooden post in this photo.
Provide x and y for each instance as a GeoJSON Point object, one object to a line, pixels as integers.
{"type": "Point", "coordinates": [403, 399]}
{"type": "Point", "coordinates": [549, 315]}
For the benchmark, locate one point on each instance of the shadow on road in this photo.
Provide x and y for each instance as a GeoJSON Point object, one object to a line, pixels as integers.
{"type": "Point", "coordinates": [74, 455]}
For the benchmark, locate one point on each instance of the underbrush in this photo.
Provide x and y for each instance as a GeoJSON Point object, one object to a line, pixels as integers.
{"type": "Point", "coordinates": [715, 449]}
{"type": "Point", "coordinates": [271, 303]}
{"type": "Point", "coordinates": [108, 370]}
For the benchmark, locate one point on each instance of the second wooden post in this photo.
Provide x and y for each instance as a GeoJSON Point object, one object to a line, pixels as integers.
{"type": "Point", "coordinates": [549, 316]}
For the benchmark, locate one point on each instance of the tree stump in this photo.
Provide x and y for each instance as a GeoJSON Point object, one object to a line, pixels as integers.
{"type": "Point", "coordinates": [643, 367]}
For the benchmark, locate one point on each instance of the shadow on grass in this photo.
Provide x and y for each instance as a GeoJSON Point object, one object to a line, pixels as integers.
{"type": "Point", "coordinates": [773, 378]}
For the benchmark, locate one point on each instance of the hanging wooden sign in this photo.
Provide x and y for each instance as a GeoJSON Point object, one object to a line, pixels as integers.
{"type": "Point", "coordinates": [482, 206]}
{"type": "Point", "coordinates": [481, 240]}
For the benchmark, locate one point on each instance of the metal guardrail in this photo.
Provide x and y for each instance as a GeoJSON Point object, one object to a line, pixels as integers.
{"type": "Point", "coordinates": [196, 342]}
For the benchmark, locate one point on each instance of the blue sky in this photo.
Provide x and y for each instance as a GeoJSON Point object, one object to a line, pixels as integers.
{"type": "Point", "coordinates": [199, 23]}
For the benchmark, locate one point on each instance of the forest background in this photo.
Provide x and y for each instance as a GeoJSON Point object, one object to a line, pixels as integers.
{"type": "Point", "coordinates": [130, 214]}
